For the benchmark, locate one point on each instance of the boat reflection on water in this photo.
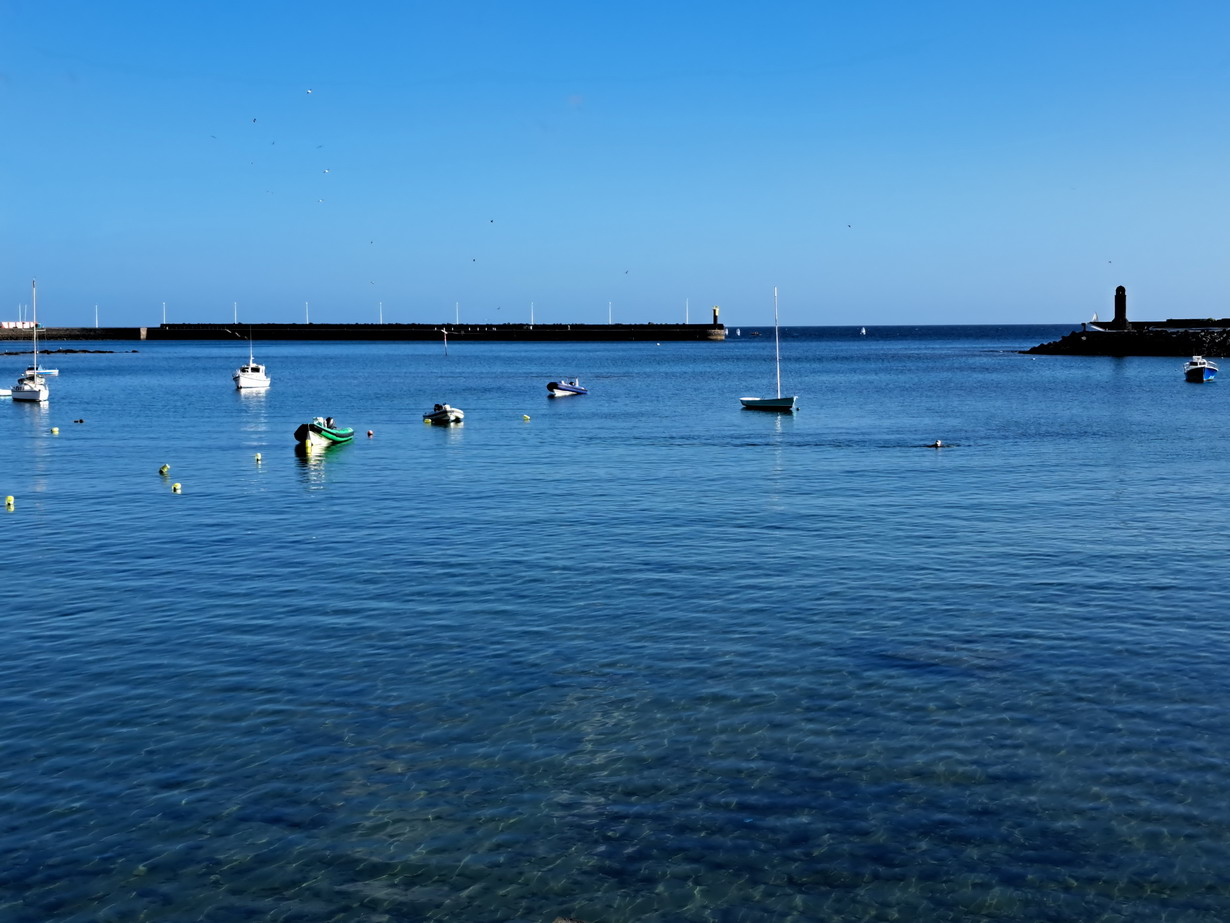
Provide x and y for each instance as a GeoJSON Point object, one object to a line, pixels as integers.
{"type": "Point", "coordinates": [311, 462]}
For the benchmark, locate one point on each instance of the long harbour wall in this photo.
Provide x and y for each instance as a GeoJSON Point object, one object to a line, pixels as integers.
{"type": "Point", "coordinates": [392, 332]}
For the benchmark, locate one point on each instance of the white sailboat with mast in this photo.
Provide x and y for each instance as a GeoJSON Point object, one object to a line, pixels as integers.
{"type": "Point", "coordinates": [32, 386]}
{"type": "Point", "coordinates": [779, 403]}
{"type": "Point", "coordinates": [253, 375]}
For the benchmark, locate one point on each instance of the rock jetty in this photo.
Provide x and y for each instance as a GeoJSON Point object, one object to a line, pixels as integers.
{"type": "Point", "coordinates": [1121, 337]}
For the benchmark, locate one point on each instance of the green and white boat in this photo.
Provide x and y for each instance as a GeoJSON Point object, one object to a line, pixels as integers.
{"type": "Point", "coordinates": [323, 432]}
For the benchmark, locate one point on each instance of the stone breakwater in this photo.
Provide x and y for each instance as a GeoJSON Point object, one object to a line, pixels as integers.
{"type": "Point", "coordinates": [471, 332]}
{"type": "Point", "coordinates": [1148, 342]}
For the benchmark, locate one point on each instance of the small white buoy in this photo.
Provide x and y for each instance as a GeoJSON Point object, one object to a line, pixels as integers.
{"type": "Point", "coordinates": [258, 458]}
{"type": "Point", "coordinates": [175, 487]}
{"type": "Point", "coordinates": [8, 502]}
{"type": "Point", "coordinates": [370, 434]}
{"type": "Point", "coordinates": [525, 417]}
{"type": "Point", "coordinates": [55, 431]}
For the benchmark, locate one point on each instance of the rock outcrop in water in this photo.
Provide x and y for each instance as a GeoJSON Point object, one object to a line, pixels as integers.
{"type": "Point", "coordinates": [1147, 342]}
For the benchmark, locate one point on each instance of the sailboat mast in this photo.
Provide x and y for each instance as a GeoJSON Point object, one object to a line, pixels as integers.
{"type": "Point", "coordinates": [777, 348]}
{"type": "Point", "coordinates": [34, 309]}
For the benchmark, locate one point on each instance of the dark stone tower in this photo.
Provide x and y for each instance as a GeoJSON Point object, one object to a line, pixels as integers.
{"type": "Point", "coordinates": [1121, 321]}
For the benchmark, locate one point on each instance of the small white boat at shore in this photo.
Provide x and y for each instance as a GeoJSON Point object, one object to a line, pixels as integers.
{"type": "Point", "coordinates": [443, 415]}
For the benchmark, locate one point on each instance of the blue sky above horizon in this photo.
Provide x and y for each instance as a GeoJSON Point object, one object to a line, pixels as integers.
{"type": "Point", "coordinates": [880, 163]}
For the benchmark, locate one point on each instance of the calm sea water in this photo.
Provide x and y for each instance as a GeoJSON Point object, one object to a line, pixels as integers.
{"type": "Point", "coordinates": [642, 657]}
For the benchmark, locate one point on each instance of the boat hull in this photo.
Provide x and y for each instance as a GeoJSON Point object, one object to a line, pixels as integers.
{"type": "Point", "coordinates": [313, 434]}
{"type": "Point", "coordinates": [565, 389]}
{"type": "Point", "coordinates": [254, 382]}
{"type": "Point", "coordinates": [444, 417]}
{"type": "Point", "coordinates": [778, 404]}
{"type": "Point", "coordinates": [32, 389]}
{"type": "Point", "coordinates": [1199, 369]}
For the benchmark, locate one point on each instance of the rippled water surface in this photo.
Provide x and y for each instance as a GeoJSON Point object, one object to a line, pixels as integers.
{"type": "Point", "coordinates": [644, 656]}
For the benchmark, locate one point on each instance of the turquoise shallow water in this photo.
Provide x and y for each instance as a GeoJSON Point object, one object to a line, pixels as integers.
{"type": "Point", "coordinates": [646, 656]}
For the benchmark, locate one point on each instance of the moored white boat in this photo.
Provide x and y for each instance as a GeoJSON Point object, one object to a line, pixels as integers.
{"type": "Point", "coordinates": [253, 375]}
{"type": "Point", "coordinates": [323, 431]}
{"type": "Point", "coordinates": [566, 387]}
{"type": "Point", "coordinates": [32, 386]}
{"type": "Point", "coordinates": [1199, 369]}
{"type": "Point", "coordinates": [443, 415]}
{"type": "Point", "coordinates": [779, 403]}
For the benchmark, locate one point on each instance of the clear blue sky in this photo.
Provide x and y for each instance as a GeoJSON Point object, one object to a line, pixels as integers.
{"type": "Point", "coordinates": [880, 162]}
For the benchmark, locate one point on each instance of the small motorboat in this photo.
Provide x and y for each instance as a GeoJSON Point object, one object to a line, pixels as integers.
{"type": "Point", "coordinates": [1198, 369]}
{"type": "Point", "coordinates": [323, 432]}
{"type": "Point", "coordinates": [565, 387]}
{"type": "Point", "coordinates": [252, 375]}
{"type": "Point", "coordinates": [443, 415]}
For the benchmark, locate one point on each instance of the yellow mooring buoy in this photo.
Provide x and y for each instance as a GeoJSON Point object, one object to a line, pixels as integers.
{"type": "Point", "coordinates": [8, 502]}
{"type": "Point", "coordinates": [175, 487]}
{"type": "Point", "coordinates": [164, 469]}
